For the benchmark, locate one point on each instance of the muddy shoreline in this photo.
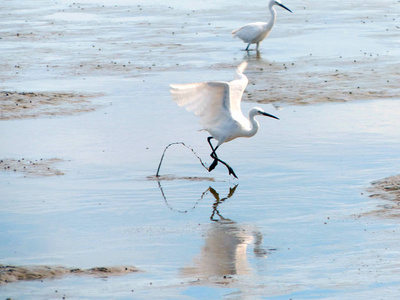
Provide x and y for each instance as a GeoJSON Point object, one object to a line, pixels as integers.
{"type": "Point", "coordinates": [386, 189]}
{"type": "Point", "coordinates": [24, 105]}
{"type": "Point", "coordinates": [10, 274]}
{"type": "Point", "coordinates": [32, 167]}
{"type": "Point", "coordinates": [77, 188]}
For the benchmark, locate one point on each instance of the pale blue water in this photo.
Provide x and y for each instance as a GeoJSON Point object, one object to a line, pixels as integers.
{"type": "Point", "coordinates": [296, 229]}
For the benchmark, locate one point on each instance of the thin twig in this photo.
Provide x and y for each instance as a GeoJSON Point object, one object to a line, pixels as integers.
{"type": "Point", "coordinates": [177, 143]}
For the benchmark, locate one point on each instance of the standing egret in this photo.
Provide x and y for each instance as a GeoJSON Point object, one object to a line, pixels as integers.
{"type": "Point", "coordinates": [255, 33]}
{"type": "Point", "coordinates": [217, 103]}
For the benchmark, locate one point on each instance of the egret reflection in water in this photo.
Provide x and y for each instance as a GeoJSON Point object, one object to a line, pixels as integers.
{"type": "Point", "coordinates": [218, 200]}
{"type": "Point", "coordinates": [210, 190]}
{"type": "Point", "coordinates": [225, 244]}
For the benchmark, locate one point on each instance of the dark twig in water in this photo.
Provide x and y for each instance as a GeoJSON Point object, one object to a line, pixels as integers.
{"type": "Point", "coordinates": [176, 143]}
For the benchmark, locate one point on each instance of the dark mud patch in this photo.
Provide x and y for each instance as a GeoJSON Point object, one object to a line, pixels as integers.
{"type": "Point", "coordinates": [9, 274]}
{"type": "Point", "coordinates": [386, 189]}
{"type": "Point", "coordinates": [32, 168]}
{"type": "Point", "coordinates": [23, 105]}
{"type": "Point", "coordinates": [170, 177]}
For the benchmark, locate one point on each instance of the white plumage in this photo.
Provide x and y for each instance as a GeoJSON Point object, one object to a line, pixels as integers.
{"type": "Point", "coordinates": [255, 33]}
{"type": "Point", "coordinates": [218, 104]}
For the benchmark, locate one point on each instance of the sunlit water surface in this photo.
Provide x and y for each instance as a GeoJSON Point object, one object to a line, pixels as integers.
{"type": "Point", "coordinates": [292, 226]}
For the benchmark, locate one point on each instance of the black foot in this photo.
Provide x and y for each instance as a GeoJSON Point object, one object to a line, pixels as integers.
{"type": "Point", "coordinates": [231, 172]}
{"type": "Point", "coordinates": [213, 165]}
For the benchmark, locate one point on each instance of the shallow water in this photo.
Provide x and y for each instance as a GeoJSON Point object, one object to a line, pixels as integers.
{"type": "Point", "coordinates": [292, 226]}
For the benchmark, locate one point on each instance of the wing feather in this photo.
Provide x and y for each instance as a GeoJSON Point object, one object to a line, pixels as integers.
{"type": "Point", "coordinates": [208, 100]}
{"type": "Point", "coordinates": [249, 32]}
{"type": "Point", "coordinates": [217, 103]}
{"type": "Point", "coordinates": [237, 88]}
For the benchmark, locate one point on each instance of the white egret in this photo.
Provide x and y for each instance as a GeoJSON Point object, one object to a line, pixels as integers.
{"type": "Point", "coordinates": [255, 33]}
{"type": "Point", "coordinates": [217, 103]}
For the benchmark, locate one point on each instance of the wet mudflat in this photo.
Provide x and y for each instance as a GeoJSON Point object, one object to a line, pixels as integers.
{"type": "Point", "coordinates": [78, 162]}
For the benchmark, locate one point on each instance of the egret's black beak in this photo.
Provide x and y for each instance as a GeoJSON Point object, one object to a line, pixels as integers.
{"type": "Point", "coordinates": [268, 115]}
{"type": "Point", "coordinates": [283, 6]}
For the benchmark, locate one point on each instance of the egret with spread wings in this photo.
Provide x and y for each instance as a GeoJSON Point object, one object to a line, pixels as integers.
{"type": "Point", "coordinates": [217, 103]}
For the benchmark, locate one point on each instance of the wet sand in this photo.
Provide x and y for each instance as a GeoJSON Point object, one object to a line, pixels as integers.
{"type": "Point", "coordinates": [32, 168]}
{"type": "Point", "coordinates": [350, 68]}
{"type": "Point", "coordinates": [312, 81]}
{"type": "Point", "coordinates": [10, 274]}
{"type": "Point", "coordinates": [22, 105]}
{"type": "Point", "coordinates": [387, 189]}
{"type": "Point", "coordinates": [63, 60]}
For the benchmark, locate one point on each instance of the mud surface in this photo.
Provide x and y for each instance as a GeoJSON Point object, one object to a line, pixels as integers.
{"type": "Point", "coordinates": [23, 105]}
{"type": "Point", "coordinates": [171, 177]}
{"type": "Point", "coordinates": [9, 274]}
{"type": "Point", "coordinates": [32, 168]}
{"type": "Point", "coordinates": [284, 230]}
{"type": "Point", "coordinates": [312, 81]}
{"type": "Point", "coordinates": [297, 64]}
{"type": "Point", "coordinates": [386, 189]}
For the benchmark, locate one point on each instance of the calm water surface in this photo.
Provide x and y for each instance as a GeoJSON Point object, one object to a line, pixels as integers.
{"type": "Point", "coordinates": [292, 226]}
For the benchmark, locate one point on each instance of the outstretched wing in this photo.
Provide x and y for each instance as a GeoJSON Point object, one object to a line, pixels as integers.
{"type": "Point", "coordinates": [237, 88]}
{"type": "Point", "coordinates": [208, 100]}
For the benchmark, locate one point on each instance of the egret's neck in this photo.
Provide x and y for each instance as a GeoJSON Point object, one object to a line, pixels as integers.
{"type": "Point", "coordinates": [273, 16]}
{"type": "Point", "coordinates": [254, 124]}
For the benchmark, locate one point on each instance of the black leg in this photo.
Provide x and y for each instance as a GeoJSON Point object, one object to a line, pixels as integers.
{"type": "Point", "coordinates": [213, 155]}
{"type": "Point", "coordinates": [213, 165]}
{"type": "Point", "coordinates": [216, 159]}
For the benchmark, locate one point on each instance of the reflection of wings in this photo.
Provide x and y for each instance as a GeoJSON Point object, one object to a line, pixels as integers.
{"type": "Point", "coordinates": [224, 252]}
{"type": "Point", "coordinates": [225, 246]}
